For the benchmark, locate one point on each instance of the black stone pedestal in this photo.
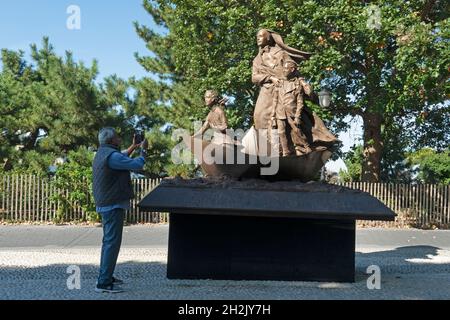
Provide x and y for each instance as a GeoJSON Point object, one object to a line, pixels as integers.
{"type": "Point", "coordinates": [256, 230]}
{"type": "Point", "coordinates": [253, 248]}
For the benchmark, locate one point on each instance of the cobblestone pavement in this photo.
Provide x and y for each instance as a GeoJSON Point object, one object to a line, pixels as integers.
{"type": "Point", "coordinates": [34, 260]}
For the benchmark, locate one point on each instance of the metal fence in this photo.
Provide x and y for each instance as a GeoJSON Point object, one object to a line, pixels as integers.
{"type": "Point", "coordinates": [28, 198]}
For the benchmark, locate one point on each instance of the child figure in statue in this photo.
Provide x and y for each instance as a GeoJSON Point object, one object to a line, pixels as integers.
{"type": "Point", "coordinates": [287, 111]}
{"type": "Point", "coordinates": [216, 118]}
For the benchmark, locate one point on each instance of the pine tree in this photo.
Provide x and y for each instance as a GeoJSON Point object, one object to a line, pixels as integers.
{"type": "Point", "coordinates": [53, 105]}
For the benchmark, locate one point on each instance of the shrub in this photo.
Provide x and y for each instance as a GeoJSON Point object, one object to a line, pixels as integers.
{"type": "Point", "coordinates": [73, 179]}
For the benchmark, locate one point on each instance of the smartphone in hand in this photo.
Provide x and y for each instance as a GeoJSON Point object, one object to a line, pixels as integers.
{"type": "Point", "coordinates": [138, 137]}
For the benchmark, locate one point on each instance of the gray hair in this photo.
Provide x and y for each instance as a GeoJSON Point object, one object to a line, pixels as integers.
{"type": "Point", "coordinates": [106, 135]}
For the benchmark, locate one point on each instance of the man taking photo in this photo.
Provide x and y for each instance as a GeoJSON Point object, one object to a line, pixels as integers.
{"type": "Point", "coordinates": [113, 191]}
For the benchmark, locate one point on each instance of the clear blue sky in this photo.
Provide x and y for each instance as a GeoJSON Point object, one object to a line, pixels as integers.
{"type": "Point", "coordinates": [107, 32]}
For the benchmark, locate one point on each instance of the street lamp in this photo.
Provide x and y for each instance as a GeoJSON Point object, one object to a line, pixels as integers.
{"type": "Point", "coordinates": [324, 98]}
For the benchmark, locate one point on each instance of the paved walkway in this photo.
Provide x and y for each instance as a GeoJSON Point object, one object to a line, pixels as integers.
{"type": "Point", "coordinates": [414, 264]}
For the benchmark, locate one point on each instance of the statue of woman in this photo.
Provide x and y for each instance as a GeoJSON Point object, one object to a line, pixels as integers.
{"type": "Point", "coordinates": [267, 72]}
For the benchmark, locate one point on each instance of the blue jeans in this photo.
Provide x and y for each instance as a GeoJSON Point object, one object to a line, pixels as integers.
{"type": "Point", "coordinates": [112, 222]}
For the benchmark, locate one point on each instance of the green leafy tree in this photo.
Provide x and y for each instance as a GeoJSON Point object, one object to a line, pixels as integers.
{"type": "Point", "coordinates": [425, 166]}
{"type": "Point", "coordinates": [431, 166]}
{"type": "Point", "coordinates": [392, 72]}
{"type": "Point", "coordinates": [353, 161]}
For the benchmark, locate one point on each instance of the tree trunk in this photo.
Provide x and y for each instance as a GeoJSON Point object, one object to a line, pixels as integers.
{"type": "Point", "coordinates": [372, 147]}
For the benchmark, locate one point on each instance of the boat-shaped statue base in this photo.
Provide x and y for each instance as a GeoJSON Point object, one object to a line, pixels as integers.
{"type": "Point", "coordinates": [232, 160]}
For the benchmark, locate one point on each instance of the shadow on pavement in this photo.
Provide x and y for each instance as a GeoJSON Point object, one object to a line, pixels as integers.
{"type": "Point", "coordinates": [404, 260]}
{"type": "Point", "coordinates": [129, 269]}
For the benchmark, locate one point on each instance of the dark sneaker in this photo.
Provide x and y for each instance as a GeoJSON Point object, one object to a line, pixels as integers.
{"type": "Point", "coordinates": [117, 281]}
{"type": "Point", "coordinates": [112, 288]}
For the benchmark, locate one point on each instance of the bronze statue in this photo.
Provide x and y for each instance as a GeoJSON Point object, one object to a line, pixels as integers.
{"type": "Point", "coordinates": [280, 105]}
{"type": "Point", "coordinates": [267, 72]}
{"type": "Point", "coordinates": [278, 81]}
{"type": "Point", "coordinates": [216, 118]}
{"type": "Point", "coordinates": [287, 111]}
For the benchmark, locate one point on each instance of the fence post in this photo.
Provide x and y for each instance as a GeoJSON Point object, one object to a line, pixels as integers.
{"type": "Point", "coordinates": [3, 195]}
